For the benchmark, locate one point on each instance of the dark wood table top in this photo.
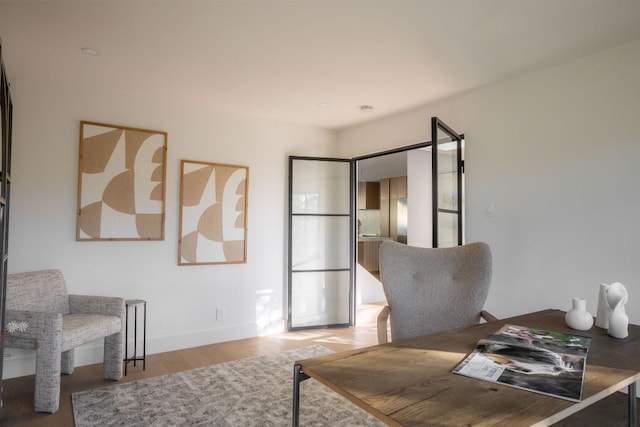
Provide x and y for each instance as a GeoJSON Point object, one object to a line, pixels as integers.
{"type": "Point", "coordinates": [410, 382]}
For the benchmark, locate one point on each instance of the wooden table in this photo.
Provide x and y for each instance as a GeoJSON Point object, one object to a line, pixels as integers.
{"type": "Point", "coordinates": [409, 382]}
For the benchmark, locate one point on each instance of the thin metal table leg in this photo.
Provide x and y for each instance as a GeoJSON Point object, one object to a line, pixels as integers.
{"type": "Point", "coordinates": [135, 334]}
{"type": "Point", "coordinates": [126, 339]}
{"type": "Point", "coordinates": [144, 338]}
{"type": "Point", "coordinates": [298, 377]}
{"type": "Point", "coordinates": [632, 404]}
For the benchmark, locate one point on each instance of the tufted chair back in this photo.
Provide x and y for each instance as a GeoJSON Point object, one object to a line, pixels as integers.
{"type": "Point", "coordinates": [431, 290]}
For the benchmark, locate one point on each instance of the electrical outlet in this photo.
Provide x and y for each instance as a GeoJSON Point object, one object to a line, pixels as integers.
{"type": "Point", "coordinates": [220, 314]}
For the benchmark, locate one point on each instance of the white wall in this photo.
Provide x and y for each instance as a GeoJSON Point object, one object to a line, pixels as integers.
{"type": "Point", "coordinates": [181, 301]}
{"type": "Point", "coordinates": [557, 151]}
{"type": "Point", "coordinates": [419, 200]}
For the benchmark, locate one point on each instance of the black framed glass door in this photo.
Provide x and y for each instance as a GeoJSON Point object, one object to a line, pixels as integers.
{"type": "Point", "coordinates": [321, 242]}
{"type": "Point", "coordinates": [447, 166]}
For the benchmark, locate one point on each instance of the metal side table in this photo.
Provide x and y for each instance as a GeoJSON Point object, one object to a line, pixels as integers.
{"type": "Point", "coordinates": [135, 303]}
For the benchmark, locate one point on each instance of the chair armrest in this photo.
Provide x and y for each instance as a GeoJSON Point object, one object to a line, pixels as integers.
{"type": "Point", "coordinates": [488, 316]}
{"type": "Point", "coordinates": [383, 316]}
{"type": "Point", "coordinates": [89, 304]}
{"type": "Point", "coordinates": [38, 324]}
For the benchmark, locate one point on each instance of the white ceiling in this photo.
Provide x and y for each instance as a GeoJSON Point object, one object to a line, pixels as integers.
{"type": "Point", "coordinates": [282, 59]}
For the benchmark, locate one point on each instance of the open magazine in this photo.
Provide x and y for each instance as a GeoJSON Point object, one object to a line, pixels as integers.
{"type": "Point", "coordinates": [538, 360]}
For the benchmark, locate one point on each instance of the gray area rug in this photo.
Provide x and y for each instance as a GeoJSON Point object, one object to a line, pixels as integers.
{"type": "Point", "coordinates": [248, 392]}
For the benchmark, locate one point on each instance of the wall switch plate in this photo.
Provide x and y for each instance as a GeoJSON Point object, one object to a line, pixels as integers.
{"type": "Point", "coordinates": [490, 209]}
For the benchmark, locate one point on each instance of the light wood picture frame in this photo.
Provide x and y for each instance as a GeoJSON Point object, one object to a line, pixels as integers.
{"type": "Point", "coordinates": [121, 183]}
{"type": "Point", "coordinates": [213, 213]}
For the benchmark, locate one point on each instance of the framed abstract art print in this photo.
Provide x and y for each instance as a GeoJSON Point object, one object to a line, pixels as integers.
{"type": "Point", "coordinates": [121, 183]}
{"type": "Point", "coordinates": [213, 213]}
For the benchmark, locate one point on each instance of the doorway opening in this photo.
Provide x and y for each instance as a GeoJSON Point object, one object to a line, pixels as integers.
{"type": "Point", "coordinates": [392, 177]}
{"type": "Point", "coordinates": [411, 196]}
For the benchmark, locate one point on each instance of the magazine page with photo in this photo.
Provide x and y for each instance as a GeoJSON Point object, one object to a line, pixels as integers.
{"type": "Point", "coordinates": [538, 360]}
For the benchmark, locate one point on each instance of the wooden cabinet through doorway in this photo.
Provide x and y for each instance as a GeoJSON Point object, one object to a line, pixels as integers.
{"type": "Point", "coordinates": [368, 255]}
{"type": "Point", "coordinates": [369, 195]}
{"type": "Point", "coordinates": [397, 190]}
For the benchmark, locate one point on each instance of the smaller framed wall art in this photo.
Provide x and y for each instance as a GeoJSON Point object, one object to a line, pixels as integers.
{"type": "Point", "coordinates": [213, 213]}
{"type": "Point", "coordinates": [121, 183]}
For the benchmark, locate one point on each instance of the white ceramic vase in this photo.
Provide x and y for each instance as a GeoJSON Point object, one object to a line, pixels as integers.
{"type": "Point", "coordinates": [617, 297]}
{"type": "Point", "coordinates": [578, 317]}
{"type": "Point", "coordinates": [604, 311]}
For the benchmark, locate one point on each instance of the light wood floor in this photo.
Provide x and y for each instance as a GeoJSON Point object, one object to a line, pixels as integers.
{"type": "Point", "coordinates": [18, 392]}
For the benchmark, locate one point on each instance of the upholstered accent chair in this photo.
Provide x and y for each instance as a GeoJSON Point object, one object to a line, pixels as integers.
{"type": "Point", "coordinates": [54, 323]}
{"type": "Point", "coordinates": [431, 290]}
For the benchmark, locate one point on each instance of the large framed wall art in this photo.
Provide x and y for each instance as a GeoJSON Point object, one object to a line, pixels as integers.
{"type": "Point", "coordinates": [213, 213]}
{"type": "Point", "coordinates": [121, 183]}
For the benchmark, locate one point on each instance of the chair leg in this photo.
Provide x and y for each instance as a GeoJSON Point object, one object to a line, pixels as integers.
{"type": "Point", "coordinates": [113, 356]}
{"type": "Point", "coordinates": [383, 316]}
{"type": "Point", "coordinates": [68, 362]}
{"type": "Point", "coordinates": [48, 364]}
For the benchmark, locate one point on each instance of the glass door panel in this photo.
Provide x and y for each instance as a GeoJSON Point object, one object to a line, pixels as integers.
{"type": "Point", "coordinates": [320, 299]}
{"type": "Point", "coordinates": [320, 243]}
{"type": "Point", "coordinates": [312, 235]}
{"type": "Point", "coordinates": [448, 230]}
{"type": "Point", "coordinates": [320, 186]}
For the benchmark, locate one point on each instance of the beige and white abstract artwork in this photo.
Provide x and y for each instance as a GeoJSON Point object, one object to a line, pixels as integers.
{"type": "Point", "coordinates": [213, 213]}
{"type": "Point", "coordinates": [121, 183]}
